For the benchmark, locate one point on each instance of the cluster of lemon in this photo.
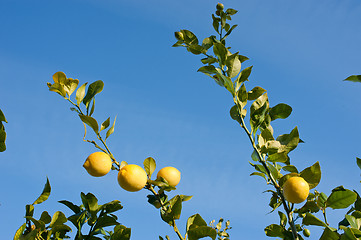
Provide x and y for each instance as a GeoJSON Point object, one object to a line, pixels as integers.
{"type": "Point", "coordinates": [131, 177]}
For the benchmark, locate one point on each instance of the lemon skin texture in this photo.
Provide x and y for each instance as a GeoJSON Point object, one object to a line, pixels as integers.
{"type": "Point", "coordinates": [132, 178]}
{"type": "Point", "coordinates": [98, 164]}
{"type": "Point", "coordinates": [171, 174]}
{"type": "Point", "coordinates": [296, 189]}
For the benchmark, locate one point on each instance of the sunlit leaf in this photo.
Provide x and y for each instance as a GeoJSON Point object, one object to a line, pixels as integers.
{"type": "Point", "coordinates": [354, 78]}
{"type": "Point", "coordinates": [91, 122]}
{"type": "Point", "coordinates": [280, 111]}
{"type": "Point", "coordinates": [149, 166]}
{"type": "Point", "coordinates": [45, 194]}
{"type": "Point", "coordinates": [111, 129]}
{"type": "Point", "coordinates": [80, 93]}
{"type": "Point", "coordinates": [93, 89]}
{"type": "Point", "coordinates": [341, 198]}
{"type": "Point", "coordinates": [312, 175]}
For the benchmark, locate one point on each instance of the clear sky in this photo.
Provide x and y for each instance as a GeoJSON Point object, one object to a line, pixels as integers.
{"type": "Point", "coordinates": [301, 51]}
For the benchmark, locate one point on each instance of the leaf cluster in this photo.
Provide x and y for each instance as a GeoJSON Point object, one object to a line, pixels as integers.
{"type": "Point", "coordinates": [97, 217]}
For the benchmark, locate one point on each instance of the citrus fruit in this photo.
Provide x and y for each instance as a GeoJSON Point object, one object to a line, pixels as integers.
{"type": "Point", "coordinates": [220, 6]}
{"type": "Point", "coordinates": [98, 164]}
{"type": "Point", "coordinates": [296, 189]}
{"type": "Point", "coordinates": [306, 232]}
{"type": "Point", "coordinates": [132, 178]}
{"type": "Point", "coordinates": [171, 174]}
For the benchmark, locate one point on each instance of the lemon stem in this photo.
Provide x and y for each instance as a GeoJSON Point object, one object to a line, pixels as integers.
{"type": "Point", "coordinates": [273, 181]}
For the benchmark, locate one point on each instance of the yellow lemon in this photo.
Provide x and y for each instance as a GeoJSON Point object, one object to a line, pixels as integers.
{"type": "Point", "coordinates": [132, 178]}
{"type": "Point", "coordinates": [171, 174]}
{"type": "Point", "coordinates": [98, 164]}
{"type": "Point", "coordinates": [296, 189]}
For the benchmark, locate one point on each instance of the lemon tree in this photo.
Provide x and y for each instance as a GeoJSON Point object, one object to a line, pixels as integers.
{"type": "Point", "coordinates": [293, 191]}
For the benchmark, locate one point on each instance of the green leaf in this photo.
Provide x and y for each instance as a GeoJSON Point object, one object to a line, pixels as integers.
{"type": "Point", "coordinates": [45, 217]}
{"type": "Point", "coordinates": [278, 157]}
{"type": "Point", "coordinates": [149, 166]}
{"type": "Point", "coordinates": [354, 78]}
{"type": "Point", "coordinates": [121, 233]}
{"type": "Point", "coordinates": [2, 140]}
{"type": "Point", "coordinates": [312, 175]}
{"type": "Point", "coordinates": [358, 161]}
{"type": "Point", "coordinates": [19, 232]}
{"type": "Point", "coordinates": [255, 93]}
{"type": "Point", "coordinates": [242, 96]}
{"type": "Point", "coordinates": [231, 11]}
{"type": "Point", "coordinates": [258, 113]}
{"type": "Point", "coordinates": [215, 23]}
{"type": "Point", "coordinates": [2, 117]}
{"type": "Point", "coordinates": [221, 52]}
{"type": "Point", "coordinates": [105, 221]}
{"type": "Point", "coordinates": [352, 221]}
{"type": "Point", "coordinates": [328, 234]}
{"type": "Point", "coordinates": [207, 43]}
{"type": "Point", "coordinates": [235, 114]}
{"type": "Point", "coordinates": [229, 31]}
{"type": "Point", "coordinates": [195, 220]}
{"type": "Point", "coordinates": [176, 206]}
{"type": "Point", "coordinates": [227, 82]}
{"type": "Point", "coordinates": [243, 76]}
{"type": "Point", "coordinates": [280, 111]}
{"type": "Point", "coordinates": [38, 224]}
{"type": "Point", "coordinates": [209, 60]}
{"type": "Point", "coordinates": [198, 232]}
{"type": "Point", "coordinates": [310, 219]}
{"type": "Point", "coordinates": [189, 37]}
{"type": "Point", "coordinates": [73, 207]}
{"type": "Point", "coordinates": [111, 130]}
{"type": "Point", "coordinates": [112, 206]}
{"type": "Point", "coordinates": [93, 89]}
{"type": "Point", "coordinates": [321, 200]}
{"type": "Point", "coordinates": [290, 168]}
{"type": "Point", "coordinates": [58, 219]}
{"type": "Point", "coordinates": [105, 124]}
{"type": "Point", "coordinates": [259, 174]}
{"type": "Point", "coordinates": [283, 218]}
{"type": "Point", "coordinates": [233, 65]}
{"type": "Point", "coordinates": [29, 210]}
{"type": "Point", "coordinates": [90, 202]}
{"type": "Point", "coordinates": [348, 235]}
{"type": "Point", "coordinates": [93, 108]}
{"type": "Point", "coordinates": [196, 49]}
{"type": "Point", "coordinates": [274, 230]}
{"type": "Point", "coordinates": [209, 69]}
{"type": "Point", "coordinates": [58, 88]}
{"type": "Point", "coordinates": [45, 194]}
{"type": "Point", "coordinates": [341, 198]}
{"type": "Point", "coordinates": [290, 141]}
{"type": "Point", "coordinates": [91, 122]}
{"type": "Point", "coordinates": [80, 93]}
{"type": "Point", "coordinates": [70, 85]}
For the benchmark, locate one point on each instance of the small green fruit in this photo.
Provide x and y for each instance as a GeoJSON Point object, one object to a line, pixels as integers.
{"type": "Point", "coordinates": [218, 13]}
{"type": "Point", "coordinates": [306, 232]}
{"type": "Point", "coordinates": [220, 6]}
{"type": "Point", "coordinates": [179, 36]}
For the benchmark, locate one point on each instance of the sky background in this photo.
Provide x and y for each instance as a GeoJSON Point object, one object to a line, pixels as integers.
{"type": "Point", "coordinates": [301, 51]}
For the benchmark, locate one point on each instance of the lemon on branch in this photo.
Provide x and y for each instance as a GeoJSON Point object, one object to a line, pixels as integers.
{"type": "Point", "coordinates": [296, 189]}
{"type": "Point", "coordinates": [171, 174]}
{"type": "Point", "coordinates": [98, 164]}
{"type": "Point", "coordinates": [132, 178]}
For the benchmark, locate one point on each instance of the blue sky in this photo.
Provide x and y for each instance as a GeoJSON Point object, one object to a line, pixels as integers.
{"type": "Point", "coordinates": [301, 51]}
